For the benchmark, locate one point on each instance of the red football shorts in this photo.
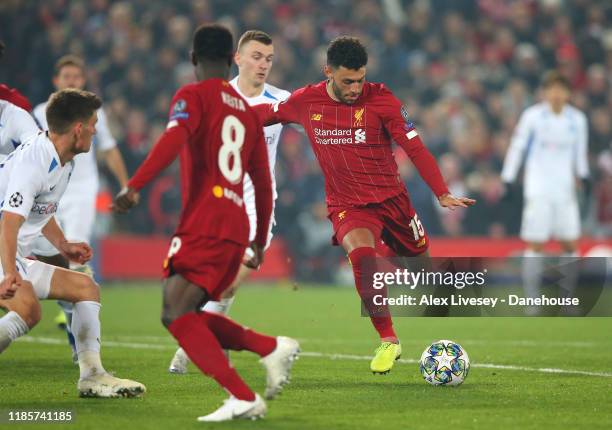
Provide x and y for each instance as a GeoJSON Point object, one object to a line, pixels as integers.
{"type": "Point", "coordinates": [211, 264]}
{"type": "Point", "coordinates": [394, 221]}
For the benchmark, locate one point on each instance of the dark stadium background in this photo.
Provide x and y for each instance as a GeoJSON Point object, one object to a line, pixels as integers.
{"type": "Point", "coordinates": [466, 69]}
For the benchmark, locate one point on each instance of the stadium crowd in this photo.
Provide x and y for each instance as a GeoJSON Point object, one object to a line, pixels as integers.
{"type": "Point", "coordinates": [466, 69]}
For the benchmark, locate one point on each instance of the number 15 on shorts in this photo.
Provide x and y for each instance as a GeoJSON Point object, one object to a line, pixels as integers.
{"type": "Point", "coordinates": [417, 228]}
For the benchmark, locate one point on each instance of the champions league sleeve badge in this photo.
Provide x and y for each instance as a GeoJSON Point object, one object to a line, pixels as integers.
{"type": "Point", "coordinates": [178, 111]}
{"type": "Point", "coordinates": [16, 200]}
{"type": "Point", "coordinates": [404, 113]}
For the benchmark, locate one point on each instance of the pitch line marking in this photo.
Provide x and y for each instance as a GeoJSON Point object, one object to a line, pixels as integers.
{"type": "Point", "coordinates": [522, 343]}
{"type": "Point", "coordinates": [131, 345]}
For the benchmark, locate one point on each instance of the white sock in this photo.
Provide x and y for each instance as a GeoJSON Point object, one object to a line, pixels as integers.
{"type": "Point", "coordinates": [221, 307]}
{"type": "Point", "coordinates": [180, 353]}
{"type": "Point", "coordinates": [12, 326]}
{"type": "Point", "coordinates": [86, 330]}
{"type": "Point", "coordinates": [569, 269]}
{"type": "Point", "coordinates": [533, 263]}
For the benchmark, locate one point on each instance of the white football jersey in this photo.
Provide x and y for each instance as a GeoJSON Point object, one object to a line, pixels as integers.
{"type": "Point", "coordinates": [85, 177]}
{"type": "Point", "coordinates": [16, 125]}
{"type": "Point", "coordinates": [32, 181]}
{"type": "Point", "coordinates": [554, 148]}
{"type": "Point", "coordinates": [272, 133]}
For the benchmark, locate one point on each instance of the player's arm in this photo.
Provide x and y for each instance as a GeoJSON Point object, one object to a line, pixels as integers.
{"type": "Point", "coordinates": [259, 171]}
{"type": "Point", "coordinates": [78, 252]}
{"type": "Point", "coordinates": [185, 117]}
{"type": "Point", "coordinates": [582, 156]}
{"type": "Point", "coordinates": [18, 200]}
{"type": "Point", "coordinates": [285, 112]}
{"type": "Point", "coordinates": [108, 147]}
{"type": "Point", "coordinates": [516, 151]}
{"type": "Point", "coordinates": [403, 132]}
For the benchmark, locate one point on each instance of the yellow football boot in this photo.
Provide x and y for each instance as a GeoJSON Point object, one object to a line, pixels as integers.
{"type": "Point", "coordinates": [384, 357]}
{"type": "Point", "coordinates": [60, 320]}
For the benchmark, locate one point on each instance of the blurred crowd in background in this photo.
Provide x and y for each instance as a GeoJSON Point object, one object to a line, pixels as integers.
{"type": "Point", "coordinates": [466, 69]}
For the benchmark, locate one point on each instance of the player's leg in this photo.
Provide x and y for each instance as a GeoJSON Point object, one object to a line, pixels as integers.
{"type": "Point", "coordinates": [44, 251]}
{"type": "Point", "coordinates": [215, 264]}
{"type": "Point", "coordinates": [64, 317]}
{"type": "Point", "coordinates": [403, 236]}
{"type": "Point", "coordinates": [536, 226]}
{"type": "Point", "coordinates": [567, 231]}
{"type": "Point", "coordinates": [81, 290]}
{"type": "Point", "coordinates": [76, 218]}
{"type": "Point", "coordinates": [180, 360]}
{"type": "Point", "coordinates": [569, 268]}
{"type": "Point", "coordinates": [277, 354]}
{"type": "Point", "coordinates": [360, 245]}
{"type": "Point", "coordinates": [190, 327]}
{"type": "Point", "coordinates": [23, 313]}
{"type": "Point", "coordinates": [531, 272]}
{"type": "Point", "coordinates": [277, 357]}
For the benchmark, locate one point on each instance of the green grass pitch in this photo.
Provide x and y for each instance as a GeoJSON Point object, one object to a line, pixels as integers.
{"type": "Point", "coordinates": [509, 385]}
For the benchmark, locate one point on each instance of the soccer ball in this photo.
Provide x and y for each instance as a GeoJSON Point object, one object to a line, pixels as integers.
{"type": "Point", "coordinates": [444, 363]}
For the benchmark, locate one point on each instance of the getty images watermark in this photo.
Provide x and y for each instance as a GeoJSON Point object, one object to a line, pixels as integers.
{"type": "Point", "coordinates": [539, 286]}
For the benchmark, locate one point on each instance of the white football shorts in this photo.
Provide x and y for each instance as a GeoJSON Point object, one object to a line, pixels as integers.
{"type": "Point", "coordinates": [547, 218]}
{"type": "Point", "coordinates": [37, 272]}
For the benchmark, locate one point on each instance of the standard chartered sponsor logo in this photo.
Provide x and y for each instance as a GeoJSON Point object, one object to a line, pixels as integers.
{"type": "Point", "coordinates": [338, 136]}
{"type": "Point", "coordinates": [360, 135]}
{"type": "Point", "coordinates": [332, 132]}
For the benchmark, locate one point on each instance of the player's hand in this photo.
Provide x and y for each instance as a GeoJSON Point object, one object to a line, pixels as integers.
{"type": "Point", "coordinates": [125, 200]}
{"type": "Point", "coordinates": [9, 285]}
{"type": "Point", "coordinates": [258, 256]}
{"type": "Point", "coordinates": [449, 201]}
{"type": "Point", "coordinates": [79, 252]}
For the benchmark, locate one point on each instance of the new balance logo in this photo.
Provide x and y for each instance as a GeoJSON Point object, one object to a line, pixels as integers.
{"type": "Point", "coordinates": [360, 135]}
{"type": "Point", "coordinates": [316, 117]}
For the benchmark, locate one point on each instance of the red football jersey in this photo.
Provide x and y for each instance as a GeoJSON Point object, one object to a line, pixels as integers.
{"type": "Point", "coordinates": [224, 139]}
{"type": "Point", "coordinates": [353, 142]}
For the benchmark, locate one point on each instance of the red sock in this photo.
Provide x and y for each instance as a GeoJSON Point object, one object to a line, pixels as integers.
{"type": "Point", "coordinates": [380, 317]}
{"type": "Point", "coordinates": [204, 350]}
{"type": "Point", "coordinates": [236, 337]}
